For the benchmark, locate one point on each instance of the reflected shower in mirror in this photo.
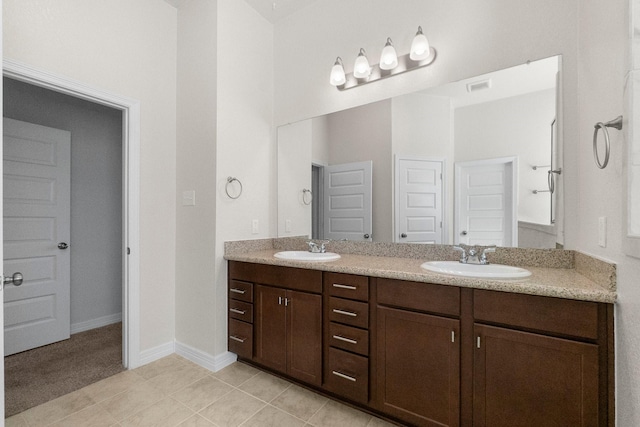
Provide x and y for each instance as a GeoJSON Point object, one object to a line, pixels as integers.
{"type": "Point", "coordinates": [476, 161]}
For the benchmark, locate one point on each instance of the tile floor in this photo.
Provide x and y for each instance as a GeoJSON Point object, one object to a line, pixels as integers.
{"type": "Point", "coordinates": [176, 392]}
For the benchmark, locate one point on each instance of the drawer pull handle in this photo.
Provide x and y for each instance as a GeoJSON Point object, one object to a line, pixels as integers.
{"type": "Point", "coordinates": [235, 310]}
{"type": "Point", "coordinates": [237, 339]}
{"type": "Point", "coordinates": [338, 285]}
{"type": "Point", "coordinates": [349, 340]}
{"type": "Point", "coordinates": [346, 313]}
{"type": "Point", "coordinates": [237, 291]}
{"type": "Point", "coordinates": [346, 377]}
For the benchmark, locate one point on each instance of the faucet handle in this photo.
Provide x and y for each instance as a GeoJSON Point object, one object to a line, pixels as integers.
{"type": "Point", "coordinates": [463, 253]}
{"type": "Point", "coordinates": [312, 246]}
{"type": "Point", "coordinates": [485, 251]}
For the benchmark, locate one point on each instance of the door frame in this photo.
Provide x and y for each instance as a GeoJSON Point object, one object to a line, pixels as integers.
{"type": "Point", "coordinates": [130, 188]}
{"type": "Point", "coordinates": [513, 161]}
{"type": "Point", "coordinates": [396, 194]}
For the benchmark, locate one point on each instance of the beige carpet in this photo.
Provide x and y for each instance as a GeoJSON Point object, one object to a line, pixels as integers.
{"type": "Point", "coordinates": [42, 374]}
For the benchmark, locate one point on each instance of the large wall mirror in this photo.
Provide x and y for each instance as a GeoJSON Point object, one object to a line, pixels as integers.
{"type": "Point", "coordinates": [477, 161]}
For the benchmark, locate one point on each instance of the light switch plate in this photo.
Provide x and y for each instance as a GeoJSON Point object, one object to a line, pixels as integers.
{"type": "Point", "coordinates": [254, 227]}
{"type": "Point", "coordinates": [602, 231]}
{"type": "Point", "coordinates": [287, 226]}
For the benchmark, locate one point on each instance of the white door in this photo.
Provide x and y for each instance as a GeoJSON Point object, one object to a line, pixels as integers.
{"type": "Point", "coordinates": [486, 202]}
{"type": "Point", "coordinates": [36, 217]}
{"type": "Point", "coordinates": [419, 201]}
{"type": "Point", "coordinates": [348, 201]}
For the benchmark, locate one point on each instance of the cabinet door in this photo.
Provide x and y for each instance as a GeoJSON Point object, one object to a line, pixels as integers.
{"type": "Point", "coordinates": [304, 345]}
{"type": "Point", "coordinates": [524, 379]}
{"type": "Point", "coordinates": [270, 327]}
{"type": "Point", "coordinates": [418, 367]}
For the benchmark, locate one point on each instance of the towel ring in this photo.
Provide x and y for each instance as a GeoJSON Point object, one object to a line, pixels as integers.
{"type": "Point", "coordinates": [615, 123]}
{"type": "Point", "coordinates": [226, 187]}
{"type": "Point", "coordinates": [306, 191]}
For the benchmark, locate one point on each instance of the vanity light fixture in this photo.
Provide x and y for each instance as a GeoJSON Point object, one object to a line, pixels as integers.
{"type": "Point", "coordinates": [338, 77]}
{"type": "Point", "coordinates": [420, 48]}
{"type": "Point", "coordinates": [388, 57]}
{"type": "Point", "coordinates": [420, 55]}
{"type": "Point", "coordinates": [361, 69]}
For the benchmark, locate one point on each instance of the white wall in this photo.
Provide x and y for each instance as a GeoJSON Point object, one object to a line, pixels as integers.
{"type": "Point", "coordinates": [246, 146]}
{"type": "Point", "coordinates": [128, 48]}
{"type": "Point", "coordinates": [96, 194]}
{"type": "Point", "coordinates": [295, 143]}
{"type": "Point", "coordinates": [195, 169]}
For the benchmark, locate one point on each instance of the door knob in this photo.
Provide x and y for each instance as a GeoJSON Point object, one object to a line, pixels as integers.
{"type": "Point", "coordinates": [62, 245]}
{"type": "Point", "coordinates": [464, 232]}
{"type": "Point", "coordinates": [403, 235]}
{"type": "Point", "coordinates": [366, 236]}
{"type": "Point", "coordinates": [15, 280]}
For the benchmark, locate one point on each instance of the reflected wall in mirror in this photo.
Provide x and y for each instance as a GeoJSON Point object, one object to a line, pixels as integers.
{"type": "Point", "coordinates": [476, 161]}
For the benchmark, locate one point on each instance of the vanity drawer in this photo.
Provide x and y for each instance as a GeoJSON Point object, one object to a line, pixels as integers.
{"type": "Point", "coordinates": [241, 310]}
{"type": "Point", "coordinates": [347, 286]}
{"type": "Point", "coordinates": [349, 338]}
{"type": "Point", "coordinates": [239, 290]}
{"type": "Point", "coordinates": [348, 375]}
{"type": "Point", "coordinates": [349, 312]}
{"type": "Point", "coordinates": [241, 338]}
{"type": "Point", "coordinates": [547, 314]}
{"type": "Point", "coordinates": [419, 296]}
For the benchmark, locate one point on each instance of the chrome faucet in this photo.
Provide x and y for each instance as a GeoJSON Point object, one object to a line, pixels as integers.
{"type": "Point", "coordinates": [315, 248]}
{"type": "Point", "coordinates": [473, 255]}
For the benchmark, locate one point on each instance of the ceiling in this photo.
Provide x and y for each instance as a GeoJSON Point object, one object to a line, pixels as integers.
{"type": "Point", "coordinates": [274, 10]}
{"type": "Point", "coordinates": [271, 10]}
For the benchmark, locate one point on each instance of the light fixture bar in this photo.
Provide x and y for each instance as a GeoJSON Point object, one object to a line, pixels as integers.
{"type": "Point", "coordinates": [405, 63]}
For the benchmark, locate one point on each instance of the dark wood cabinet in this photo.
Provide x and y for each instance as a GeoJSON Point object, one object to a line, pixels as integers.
{"type": "Point", "coordinates": [418, 359]}
{"type": "Point", "coordinates": [288, 332]}
{"type": "Point", "coordinates": [347, 336]}
{"type": "Point", "coordinates": [525, 379]}
{"type": "Point", "coordinates": [425, 354]}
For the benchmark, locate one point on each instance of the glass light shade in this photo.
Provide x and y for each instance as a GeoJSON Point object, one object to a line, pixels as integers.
{"type": "Point", "coordinates": [420, 48]}
{"type": "Point", "coordinates": [389, 57]}
{"type": "Point", "coordinates": [337, 77]}
{"type": "Point", "coordinates": [361, 68]}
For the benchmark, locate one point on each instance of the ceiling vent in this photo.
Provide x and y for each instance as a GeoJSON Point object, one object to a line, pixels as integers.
{"type": "Point", "coordinates": [481, 85]}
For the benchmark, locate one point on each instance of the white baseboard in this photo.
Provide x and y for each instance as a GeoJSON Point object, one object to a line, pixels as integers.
{"type": "Point", "coordinates": [212, 363]}
{"type": "Point", "coordinates": [96, 323]}
{"type": "Point", "coordinates": [155, 353]}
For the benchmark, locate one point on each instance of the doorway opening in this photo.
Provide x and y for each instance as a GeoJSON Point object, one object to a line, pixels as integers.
{"type": "Point", "coordinates": [127, 210]}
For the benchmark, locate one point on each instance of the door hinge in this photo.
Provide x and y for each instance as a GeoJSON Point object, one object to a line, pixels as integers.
{"type": "Point", "coordinates": [440, 224]}
{"type": "Point", "coordinates": [128, 251]}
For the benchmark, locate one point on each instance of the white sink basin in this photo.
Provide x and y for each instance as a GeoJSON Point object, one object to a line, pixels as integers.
{"type": "Point", "coordinates": [306, 256]}
{"type": "Point", "coordinates": [488, 271]}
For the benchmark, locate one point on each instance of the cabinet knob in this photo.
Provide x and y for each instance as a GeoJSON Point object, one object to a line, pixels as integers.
{"type": "Point", "coordinates": [403, 235]}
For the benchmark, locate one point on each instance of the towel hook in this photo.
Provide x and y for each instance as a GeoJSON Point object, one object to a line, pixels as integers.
{"type": "Point", "coordinates": [615, 123]}
{"type": "Point", "coordinates": [226, 187]}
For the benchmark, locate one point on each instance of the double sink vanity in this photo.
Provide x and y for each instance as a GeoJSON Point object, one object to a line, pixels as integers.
{"type": "Point", "coordinates": [410, 334]}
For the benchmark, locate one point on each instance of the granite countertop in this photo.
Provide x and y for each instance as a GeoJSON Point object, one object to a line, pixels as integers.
{"type": "Point", "coordinates": [574, 282]}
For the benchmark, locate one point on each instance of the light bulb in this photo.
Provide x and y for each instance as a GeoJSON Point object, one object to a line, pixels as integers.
{"type": "Point", "coordinates": [389, 57]}
{"type": "Point", "coordinates": [420, 48]}
{"type": "Point", "coordinates": [337, 77]}
{"type": "Point", "coordinates": [361, 68]}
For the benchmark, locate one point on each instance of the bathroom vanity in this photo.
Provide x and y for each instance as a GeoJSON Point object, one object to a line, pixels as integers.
{"type": "Point", "coordinates": [426, 349]}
